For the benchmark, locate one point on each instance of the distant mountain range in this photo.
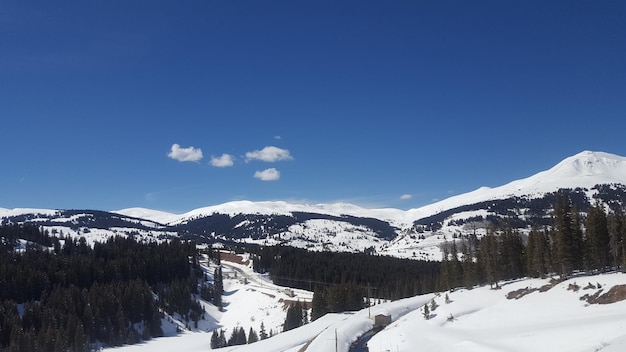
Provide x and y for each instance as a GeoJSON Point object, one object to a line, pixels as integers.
{"type": "Point", "coordinates": [414, 233]}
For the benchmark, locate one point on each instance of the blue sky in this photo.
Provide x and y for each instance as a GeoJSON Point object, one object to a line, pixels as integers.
{"type": "Point", "coordinates": [176, 105]}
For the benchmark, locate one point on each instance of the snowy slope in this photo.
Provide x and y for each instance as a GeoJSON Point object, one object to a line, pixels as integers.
{"type": "Point", "coordinates": [286, 208]}
{"type": "Point", "coordinates": [485, 320]}
{"type": "Point", "coordinates": [158, 216]}
{"type": "Point", "coordinates": [26, 211]}
{"type": "Point", "coordinates": [479, 320]}
{"type": "Point", "coordinates": [585, 170]}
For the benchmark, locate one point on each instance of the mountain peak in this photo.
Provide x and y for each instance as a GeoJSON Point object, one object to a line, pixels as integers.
{"type": "Point", "coordinates": [610, 168]}
{"type": "Point", "coordinates": [585, 170]}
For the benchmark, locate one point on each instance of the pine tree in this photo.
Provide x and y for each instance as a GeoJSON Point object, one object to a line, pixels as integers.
{"type": "Point", "coordinates": [489, 258]}
{"type": "Point", "coordinates": [456, 273]}
{"type": "Point", "coordinates": [470, 277]}
{"type": "Point", "coordinates": [218, 283]}
{"type": "Point", "coordinates": [615, 239]}
{"type": "Point", "coordinates": [537, 252]}
{"type": "Point", "coordinates": [446, 270]}
{"type": "Point", "coordinates": [215, 340]}
{"type": "Point", "coordinates": [252, 336]}
{"type": "Point", "coordinates": [567, 242]}
{"type": "Point", "coordinates": [433, 305]}
{"type": "Point", "coordinates": [621, 233]}
{"type": "Point", "coordinates": [241, 336]}
{"type": "Point", "coordinates": [531, 252]}
{"type": "Point", "coordinates": [318, 304]}
{"type": "Point", "coordinates": [262, 333]}
{"type": "Point", "coordinates": [512, 254]}
{"type": "Point", "coordinates": [293, 318]}
{"type": "Point", "coordinates": [598, 238]}
{"type": "Point", "coordinates": [579, 239]}
{"type": "Point", "coordinates": [237, 337]}
{"type": "Point", "coordinates": [222, 339]}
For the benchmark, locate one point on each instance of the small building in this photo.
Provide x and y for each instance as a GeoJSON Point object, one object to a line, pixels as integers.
{"type": "Point", "coordinates": [381, 321]}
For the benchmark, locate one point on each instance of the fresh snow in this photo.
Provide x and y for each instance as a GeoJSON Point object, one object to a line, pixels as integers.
{"type": "Point", "coordinates": [485, 320]}
{"type": "Point", "coordinates": [478, 320]}
{"type": "Point", "coordinates": [285, 208]}
{"type": "Point", "coordinates": [25, 211]}
{"type": "Point", "coordinates": [585, 170]}
{"type": "Point", "coordinates": [157, 216]}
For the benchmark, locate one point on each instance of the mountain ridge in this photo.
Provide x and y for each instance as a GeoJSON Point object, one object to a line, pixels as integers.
{"type": "Point", "coordinates": [415, 233]}
{"type": "Point", "coordinates": [578, 170]}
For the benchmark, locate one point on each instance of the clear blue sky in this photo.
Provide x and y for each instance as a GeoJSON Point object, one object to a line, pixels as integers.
{"type": "Point", "coordinates": [358, 101]}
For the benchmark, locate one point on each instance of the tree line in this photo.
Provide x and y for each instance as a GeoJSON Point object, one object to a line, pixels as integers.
{"type": "Point", "coordinates": [64, 295]}
{"type": "Point", "coordinates": [388, 277]}
{"type": "Point", "coordinates": [574, 243]}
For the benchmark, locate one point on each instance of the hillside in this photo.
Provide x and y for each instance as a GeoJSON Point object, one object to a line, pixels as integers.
{"type": "Point", "coordinates": [415, 233]}
{"type": "Point", "coordinates": [524, 315]}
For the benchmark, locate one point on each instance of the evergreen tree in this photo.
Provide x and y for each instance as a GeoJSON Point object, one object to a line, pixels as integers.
{"type": "Point", "coordinates": [579, 239]}
{"type": "Point", "coordinates": [215, 340]}
{"type": "Point", "coordinates": [489, 258]}
{"type": "Point", "coordinates": [294, 317]}
{"type": "Point", "coordinates": [262, 333]}
{"type": "Point", "coordinates": [537, 254]}
{"type": "Point", "coordinates": [86, 294]}
{"type": "Point", "coordinates": [470, 276]}
{"type": "Point", "coordinates": [446, 268]}
{"type": "Point", "coordinates": [252, 336]}
{"type": "Point", "coordinates": [621, 233]}
{"type": "Point", "coordinates": [597, 235]}
{"type": "Point", "coordinates": [241, 338]}
{"type": "Point", "coordinates": [531, 252]}
{"type": "Point", "coordinates": [615, 238]}
{"type": "Point", "coordinates": [222, 339]}
{"type": "Point", "coordinates": [318, 304]}
{"type": "Point", "coordinates": [456, 272]}
{"type": "Point", "coordinates": [512, 254]}
{"type": "Point", "coordinates": [433, 305]}
{"type": "Point", "coordinates": [218, 283]}
{"type": "Point", "coordinates": [567, 242]}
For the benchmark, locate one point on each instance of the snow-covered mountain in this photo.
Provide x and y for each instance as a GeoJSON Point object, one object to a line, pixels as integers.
{"type": "Point", "coordinates": [345, 227]}
{"type": "Point", "coordinates": [583, 170]}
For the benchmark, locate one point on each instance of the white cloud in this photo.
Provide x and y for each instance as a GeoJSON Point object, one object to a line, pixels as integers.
{"type": "Point", "coordinates": [270, 174]}
{"type": "Point", "coordinates": [225, 160]}
{"type": "Point", "coordinates": [406, 196]}
{"type": "Point", "coordinates": [269, 154]}
{"type": "Point", "coordinates": [185, 154]}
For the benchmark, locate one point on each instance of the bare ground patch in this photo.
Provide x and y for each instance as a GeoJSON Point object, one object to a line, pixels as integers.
{"type": "Point", "coordinates": [617, 293]}
{"type": "Point", "coordinates": [553, 282]}
{"type": "Point", "coordinates": [517, 294]}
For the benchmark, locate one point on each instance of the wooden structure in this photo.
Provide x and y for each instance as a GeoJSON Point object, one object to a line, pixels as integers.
{"type": "Point", "coordinates": [381, 321]}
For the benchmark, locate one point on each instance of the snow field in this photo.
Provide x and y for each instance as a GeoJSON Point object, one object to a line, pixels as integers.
{"type": "Point", "coordinates": [485, 320]}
